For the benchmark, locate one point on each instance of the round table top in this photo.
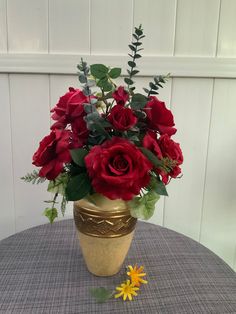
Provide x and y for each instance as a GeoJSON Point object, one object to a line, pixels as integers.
{"type": "Point", "coordinates": [42, 271]}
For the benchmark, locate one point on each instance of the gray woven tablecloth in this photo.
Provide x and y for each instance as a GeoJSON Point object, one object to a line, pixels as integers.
{"type": "Point", "coordinates": [42, 271]}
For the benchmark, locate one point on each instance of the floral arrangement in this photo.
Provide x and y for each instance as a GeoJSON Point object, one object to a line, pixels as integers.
{"type": "Point", "coordinates": [108, 139]}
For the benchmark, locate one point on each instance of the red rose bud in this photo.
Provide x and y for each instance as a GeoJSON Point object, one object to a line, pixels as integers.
{"type": "Point", "coordinates": [53, 153]}
{"type": "Point", "coordinates": [121, 96]}
{"type": "Point", "coordinates": [159, 118]}
{"type": "Point", "coordinates": [122, 118]}
{"type": "Point", "coordinates": [70, 110]}
{"type": "Point", "coordinates": [118, 169]}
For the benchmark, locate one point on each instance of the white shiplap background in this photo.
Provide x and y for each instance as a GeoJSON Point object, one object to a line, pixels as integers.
{"type": "Point", "coordinates": [42, 41]}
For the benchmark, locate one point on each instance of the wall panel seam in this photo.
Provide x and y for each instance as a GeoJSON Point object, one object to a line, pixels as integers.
{"type": "Point", "coordinates": [218, 29]}
{"type": "Point", "coordinates": [90, 48]}
{"type": "Point", "coordinates": [12, 151]}
{"type": "Point", "coordinates": [6, 12]}
{"type": "Point", "coordinates": [175, 27]}
{"type": "Point", "coordinates": [206, 162]}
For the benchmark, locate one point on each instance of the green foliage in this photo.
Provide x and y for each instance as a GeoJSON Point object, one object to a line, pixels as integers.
{"type": "Point", "coordinates": [134, 47]}
{"type": "Point", "coordinates": [59, 184]}
{"type": "Point", "coordinates": [63, 205]}
{"type": "Point", "coordinates": [154, 86]}
{"type": "Point", "coordinates": [157, 186]}
{"type": "Point", "coordinates": [143, 206]}
{"type": "Point", "coordinates": [104, 76]}
{"type": "Point", "coordinates": [99, 71]}
{"type": "Point", "coordinates": [51, 213]}
{"type": "Point", "coordinates": [78, 155]}
{"type": "Point", "coordinates": [154, 160]}
{"type": "Point", "coordinates": [101, 294]}
{"type": "Point", "coordinates": [78, 187]}
{"type": "Point", "coordinates": [83, 77]}
{"type": "Point", "coordinates": [33, 177]}
{"type": "Point", "coordinates": [138, 101]}
{"type": "Point", "coordinates": [115, 73]}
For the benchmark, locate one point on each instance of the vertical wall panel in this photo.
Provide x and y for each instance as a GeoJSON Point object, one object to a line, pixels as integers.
{"type": "Point", "coordinates": [196, 27]}
{"type": "Point", "coordinates": [69, 26]}
{"type": "Point", "coordinates": [59, 85]}
{"type": "Point", "coordinates": [7, 218]}
{"type": "Point", "coordinates": [227, 33]}
{"type": "Point", "coordinates": [219, 214]}
{"type": "Point", "coordinates": [158, 20]}
{"type": "Point", "coordinates": [27, 25]}
{"type": "Point", "coordinates": [111, 26]}
{"type": "Point", "coordinates": [30, 123]}
{"type": "Point", "coordinates": [3, 26]}
{"type": "Point", "coordinates": [191, 104]}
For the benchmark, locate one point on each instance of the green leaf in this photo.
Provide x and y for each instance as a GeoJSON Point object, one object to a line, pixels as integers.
{"type": "Point", "coordinates": [138, 31]}
{"type": "Point", "coordinates": [137, 44]}
{"type": "Point", "coordinates": [153, 86]}
{"type": "Point", "coordinates": [128, 81]}
{"type": "Point", "coordinates": [143, 207]}
{"type": "Point", "coordinates": [51, 213]}
{"type": "Point", "coordinates": [152, 92]}
{"type": "Point", "coordinates": [78, 187]}
{"type": "Point", "coordinates": [114, 73]}
{"type": "Point", "coordinates": [82, 78]}
{"type": "Point", "coordinates": [99, 70]}
{"type": "Point", "coordinates": [132, 48]}
{"type": "Point", "coordinates": [158, 186]}
{"type": "Point", "coordinates": [63, 206]}
{"type": "Point", "coordinates": [78, 155]}
{"type": "Point", "coordinates": [137, 56]}
{"type": "Point", "coordinates": [58, 185]}
{"type": "Point", "coordinates": [132, 64]}
{"type": "Point", "coordinates": [101, 294]}
{"type": "Point", "coordinates": [104, 84]}
{"type": "Point", "coordinates": [154, 160]}
{"type": "Point", "coordinates": [138, 101]}
{"type": "Point", "coordinates": [134, 72]}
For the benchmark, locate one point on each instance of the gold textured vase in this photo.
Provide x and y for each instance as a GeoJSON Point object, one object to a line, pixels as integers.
{"type": "Point", "coordinates": [105, 231]}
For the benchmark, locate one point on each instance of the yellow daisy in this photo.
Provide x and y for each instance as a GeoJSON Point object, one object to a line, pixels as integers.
{"type": "Point", "coordinates": [126, 289]}
{"type": "Point", "coordinates": [135, 274]}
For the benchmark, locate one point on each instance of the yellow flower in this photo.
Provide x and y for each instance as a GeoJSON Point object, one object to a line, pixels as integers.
{"type": "Point", "coordinates": [135, 274]}
{"type": "Point", "coordinates": [126, 289]}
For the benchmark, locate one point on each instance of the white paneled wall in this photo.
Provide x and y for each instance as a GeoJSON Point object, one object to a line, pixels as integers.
{"type": "Point", "coordinates": [41, 41]}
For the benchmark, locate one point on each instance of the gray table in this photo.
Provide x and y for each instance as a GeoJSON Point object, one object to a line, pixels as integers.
{"type": "Point", "coordinates": [42, 271]}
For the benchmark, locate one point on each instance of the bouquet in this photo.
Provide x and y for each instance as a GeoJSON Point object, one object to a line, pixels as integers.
{"type": "Point", "coordinates": [109, 139]}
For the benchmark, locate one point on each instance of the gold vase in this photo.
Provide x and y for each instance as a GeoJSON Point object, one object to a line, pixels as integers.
{"type": "Point", "coordinates": [105, 230]}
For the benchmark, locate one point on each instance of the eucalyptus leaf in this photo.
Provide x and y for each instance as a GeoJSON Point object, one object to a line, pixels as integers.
{"type": "Point", "coordinates": [128, 81]}
{"type": "Point", "coordinates": [132, 48]}
{"type": "Point", "coordinates": [132, 64]}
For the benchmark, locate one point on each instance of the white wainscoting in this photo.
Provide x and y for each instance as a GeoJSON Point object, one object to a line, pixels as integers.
{"type": "Point", "coordinates": [42, 41]}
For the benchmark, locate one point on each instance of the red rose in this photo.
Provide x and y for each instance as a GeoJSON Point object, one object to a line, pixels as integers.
{"type": "Point", "coordinates": [150, 142]}
{"type": "Point", "coordinates": [70, 110]}
{"type": "Point", "coordinates": [172, 151]}
{"type": "Point", "coordinates": [120, 95]}
{"type": "Point", "coordinates": [122, 118]}
{"type": "Point", "coordinates": [118, 169]}
{"type": "Point", "coordinates": [53, 153]}
{"type": "Point", "coordinates": [159, 117]}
